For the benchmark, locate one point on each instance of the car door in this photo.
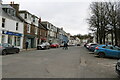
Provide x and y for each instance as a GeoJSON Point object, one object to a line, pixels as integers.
{"type": "Point", "coordinates": [112, 51]}
{"type": "Point", "coordinates": [10, 48]}
{"type": "Point", "coordinates": [7, 48]}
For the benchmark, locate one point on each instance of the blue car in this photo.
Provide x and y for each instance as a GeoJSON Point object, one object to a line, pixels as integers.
{"type": "Point", "coordinates": [107, 51]}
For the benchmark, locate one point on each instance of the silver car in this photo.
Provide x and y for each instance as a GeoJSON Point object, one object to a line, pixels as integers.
{"type": "Point", "coordinates": [44, 45]}
{"type": "Point", "coordinates": [117, 67]}
{"type": "Point", "coordinates": [7, 48]}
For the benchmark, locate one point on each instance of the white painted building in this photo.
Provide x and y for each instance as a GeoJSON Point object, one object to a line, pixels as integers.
{"type": "Point", "coordinates": [11, 27]}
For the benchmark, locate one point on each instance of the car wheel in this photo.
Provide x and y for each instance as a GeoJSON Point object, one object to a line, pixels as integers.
{"type": "Point", "coordinates": [39, 48]}
{"type": "Point", "coordinates": [17, 51]}
{"type": "Point", "coordinates": [101, 55]}
{"type": "Point", "coordinates": [4, 52]}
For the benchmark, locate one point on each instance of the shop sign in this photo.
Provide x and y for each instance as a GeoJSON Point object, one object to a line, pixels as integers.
{"type": "Point", "coordinates": [12, 33]}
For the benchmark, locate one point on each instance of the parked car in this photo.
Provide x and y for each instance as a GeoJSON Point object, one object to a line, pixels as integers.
{"type": "Point", "coordinates": [108, 51]}
{"type": "Point", "coordinates": [62, 45]}
{"type": "Point", "coordinates": [6, 48]}
{"type": "Point", "coordinates": [90, 44]}
{"type": "Point", "coordinates": [85, 44]}
{"type": "Point", "coordinates": [44, 45]}
{"type": "Point", "coordinates": [78, 44]}
{"type": "Point", "coordinates": [54, 45]}
{"type": "Point", "coordinates": [117, 67]}
{"type": "Point", "coordinates": [92, 47]}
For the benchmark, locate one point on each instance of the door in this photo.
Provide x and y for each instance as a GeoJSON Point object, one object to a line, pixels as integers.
{"type": "Point", "coordinates": [112, 51]}
{"type": "Point", "coordinates": [29, 42]}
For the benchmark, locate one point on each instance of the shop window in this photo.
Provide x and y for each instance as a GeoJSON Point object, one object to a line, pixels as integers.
{"type": "Point", "coordinates": [9, 39]}
{"type": "Point", "coordinates": [3, 39]}
{"type": "Point", "coordinates": [3, 22]}
{"type": "Point", "coordinates": [16, 26]}
{"type": "Point", "coordinates": [17, 41]}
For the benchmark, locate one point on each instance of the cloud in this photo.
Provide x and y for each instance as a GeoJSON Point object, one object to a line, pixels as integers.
{"type": "Point", "coordinates": [71, 15]}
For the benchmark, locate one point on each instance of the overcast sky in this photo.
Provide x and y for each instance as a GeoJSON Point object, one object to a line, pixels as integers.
{"type": "Point", "coordinates": [69, 14]}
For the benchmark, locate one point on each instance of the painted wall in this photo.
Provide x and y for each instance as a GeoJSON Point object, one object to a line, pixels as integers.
{"type": "Point", "coordinates": [10, 25]}
{"type": "Point", "coordinates": [29, 17]}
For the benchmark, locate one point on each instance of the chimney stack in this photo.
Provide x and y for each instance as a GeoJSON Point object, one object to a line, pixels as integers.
{"type": "Point", "coordinates": [15, 6]}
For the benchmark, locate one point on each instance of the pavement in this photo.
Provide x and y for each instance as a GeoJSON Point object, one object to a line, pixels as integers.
{"type": "Point", "coordinates": [29, 49]}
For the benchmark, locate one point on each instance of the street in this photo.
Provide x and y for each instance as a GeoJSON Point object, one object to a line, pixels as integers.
{"type": "Point", "coordinates": [76, 62]}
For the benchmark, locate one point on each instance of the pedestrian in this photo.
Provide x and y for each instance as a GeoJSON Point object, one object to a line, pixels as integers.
{"type": "Point", "coordinates": [66, 46]}
{"type": "Point", "coordinates": [26, 45]}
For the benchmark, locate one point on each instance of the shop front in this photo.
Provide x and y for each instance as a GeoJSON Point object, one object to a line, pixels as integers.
{"type": "Point", "coordinates": [12, 38]}
{"type": "Point", "coordinates": [31, 39]}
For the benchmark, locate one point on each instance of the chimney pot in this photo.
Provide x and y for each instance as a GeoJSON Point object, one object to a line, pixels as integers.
{"type": "Point", "coordinates": [11, 2]}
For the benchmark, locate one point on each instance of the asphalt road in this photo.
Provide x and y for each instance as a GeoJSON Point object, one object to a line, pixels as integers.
{"type": "Point", "coordinates": [76, 62]}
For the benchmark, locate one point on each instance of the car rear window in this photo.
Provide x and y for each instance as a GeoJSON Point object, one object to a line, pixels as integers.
{"type": "Point", "coordinates": [104, 47]}
{"type": "Point", "coordinates": [93, 44]}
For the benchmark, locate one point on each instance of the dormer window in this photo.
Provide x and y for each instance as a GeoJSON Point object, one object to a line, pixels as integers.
{"type": "Point", "coordinates": [9, 11]}
{"type": "Point", "coordinates": [33, 19]}
{"type": "Point", "coordinates": [5, 9]}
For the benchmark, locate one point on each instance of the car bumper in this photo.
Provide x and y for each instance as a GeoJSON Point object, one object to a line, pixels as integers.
{"type": "Point", "coordinates": [96, 52]}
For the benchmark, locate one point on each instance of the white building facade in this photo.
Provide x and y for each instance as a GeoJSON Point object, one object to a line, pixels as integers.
{"type": "Point", "coordinates": [11, 27]}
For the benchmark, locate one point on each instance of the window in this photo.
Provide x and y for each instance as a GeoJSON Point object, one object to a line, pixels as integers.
{"type": "Point", "coordinates": [9, 39]}
{"type": "Point", "coordinates": [25, 16]}
{"type": "Point", "coordinates": [16, 26]}
{"type": "Point", "coordinates": [33, 19]}
{"type": "Point", "coordinates": [45, 33]}
{"type": "Point", "coordinates": [3, 22]}
{"type": "Point", "coordinates": [5, 9]}
{"type": "Point", "coordinates": [40, 32]}
{"type": "Point", "coordinates": [3, 39]}
{"type": "Point", "coordinates": [104, 47]}
{"type": "Point", "coordinates": [111, 47]}
{"type": "Point", "coordinates": [35, 30]}
{"type": "Point", "coordinates": [28, 28]}
{"type": "Point", "coordinates": [17, 41]}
